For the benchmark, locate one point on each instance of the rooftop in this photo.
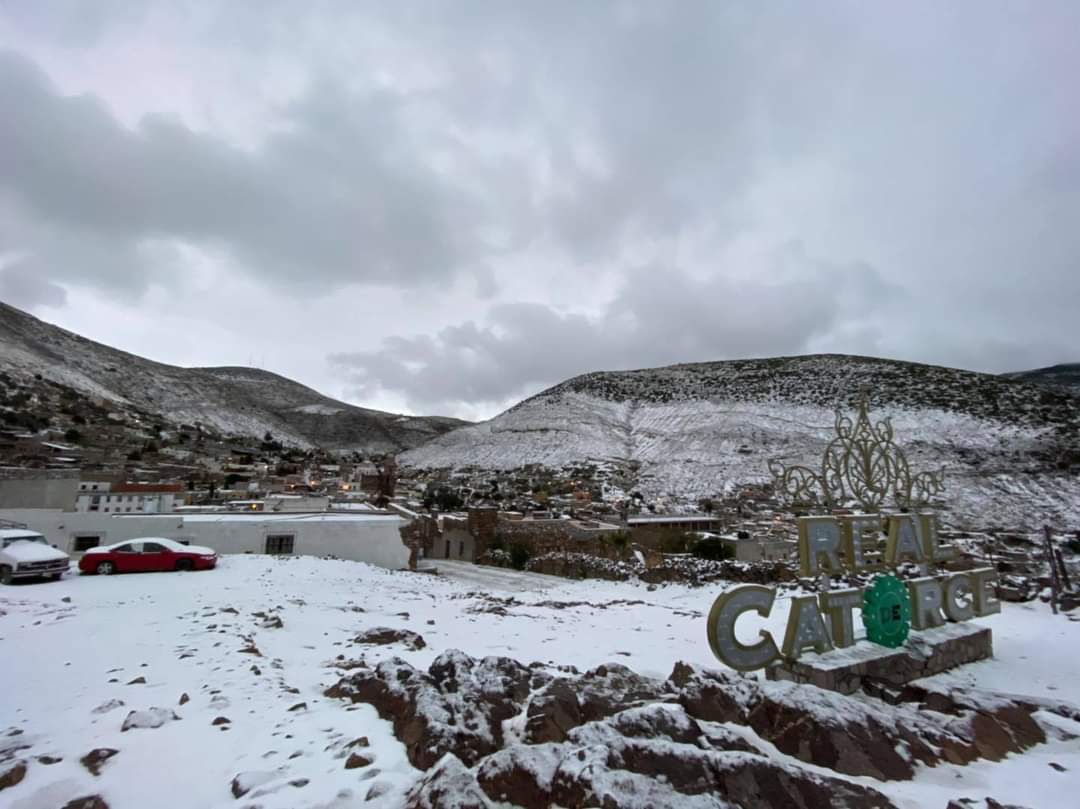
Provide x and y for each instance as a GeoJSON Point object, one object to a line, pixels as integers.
{"type": "Point", "coordinates": [263, 516]}
{"type": "Point", "coordinates": [646, 518]}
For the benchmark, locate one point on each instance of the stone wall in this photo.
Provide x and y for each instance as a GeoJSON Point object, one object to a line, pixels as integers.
{"type": "Point", "coordinates": [867, 665]}
{"type": "Point", "coordinates": [561, 536]}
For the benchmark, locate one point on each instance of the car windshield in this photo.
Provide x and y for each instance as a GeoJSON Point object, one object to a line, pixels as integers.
{"type": "Point", "coordinates": [32, 538]}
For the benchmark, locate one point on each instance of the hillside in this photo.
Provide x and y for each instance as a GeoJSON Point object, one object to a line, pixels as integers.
{"type": "Point", "coordinates": [236, 401]}
{"type": "Point", "coordinates": [1065, 376]}
{"type": "Point", "coordinates": [1010, 449]}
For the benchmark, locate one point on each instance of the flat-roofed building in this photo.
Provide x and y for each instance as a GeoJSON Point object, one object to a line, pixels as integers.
{"type": "Point", "coordinates": [361, 537]}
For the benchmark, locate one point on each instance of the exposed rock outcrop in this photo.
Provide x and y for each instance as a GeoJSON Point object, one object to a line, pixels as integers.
{"type": "Point", "coordinates": [613, 738]}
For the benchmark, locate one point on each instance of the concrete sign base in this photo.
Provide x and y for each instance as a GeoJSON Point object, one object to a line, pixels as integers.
{"type": "Point", "coordinates": [929, 652]}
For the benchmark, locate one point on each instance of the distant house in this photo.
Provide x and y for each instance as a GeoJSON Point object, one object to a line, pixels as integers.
{"type": "Point", "coordinates": [131, 498]}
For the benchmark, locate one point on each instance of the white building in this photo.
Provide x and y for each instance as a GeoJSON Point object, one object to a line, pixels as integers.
{"type": "Point", "coordinates": [360, 537]}
{"type": "Point", "coordinates": [129, 498]}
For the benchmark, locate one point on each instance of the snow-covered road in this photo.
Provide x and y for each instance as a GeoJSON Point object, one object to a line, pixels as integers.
{"type": "Point", "coordinates": [80, 654]}
{"type": "Point", "coordinates": [491, 579]}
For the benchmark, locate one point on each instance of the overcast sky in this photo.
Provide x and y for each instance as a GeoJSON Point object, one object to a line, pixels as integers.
{"type": "Point", "coordinates": [446, 207]}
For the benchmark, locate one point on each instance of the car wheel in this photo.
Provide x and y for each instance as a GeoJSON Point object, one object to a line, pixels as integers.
{"type": "Point", "coordinates": [184, 564]}
{"type": "Point", "coordinates": [105, 568]}
{"type": "Point", "coordinates": [56, 576]}
{"type": "Point", "coordinates": [5, 574]}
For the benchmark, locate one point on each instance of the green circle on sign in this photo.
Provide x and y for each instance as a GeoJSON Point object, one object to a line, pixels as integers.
{"type": "Point", "coordinates": [886, 611]}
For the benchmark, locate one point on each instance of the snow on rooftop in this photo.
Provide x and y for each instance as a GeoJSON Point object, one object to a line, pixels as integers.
{"type": "Point", "coordinates": [669, 518]}
{"type": "Point", "coordinates": [263, 516]}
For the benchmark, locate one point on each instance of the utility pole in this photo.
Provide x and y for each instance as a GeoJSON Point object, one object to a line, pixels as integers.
{"type": "Point", "coordinates": [1055, 584]}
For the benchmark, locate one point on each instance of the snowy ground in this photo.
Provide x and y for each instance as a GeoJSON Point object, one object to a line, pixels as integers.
{"type": "Point", "coordinates": [70, 648]}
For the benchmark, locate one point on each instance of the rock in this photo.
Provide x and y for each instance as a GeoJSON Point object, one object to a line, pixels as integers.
{"type": "Point", "coordinates": [552, 713]}
{"type": "Point", "coordinates": [244, 782]}
{"type": "Point", "coordinates": [137, 681]}
{"type": "Point", "coordinates": [356, 760]}
{"type": "Point", "coordinates": [96, 758]}
{"type": "Point", "coordinates": [221, 720]}
{"type": "Point", "coordinates": [108, 705]}
{"type": "Point", "coordinates": [360, 741]}
{"type": "Point", "coordinates": [659, 763]}
{"type": "Point", "coordinates": [150, 718]}
{"type": "Point", "coordinates": [1057, 766]}
{"type": "Point", "coordinates": [86, 802]}
{"type": "Point", "coordinates": [376, 791]}
{"type": "Point", "coordinates": [383, 635]}
{"type": "Point", "coordinates": [714, 696]}
{"type": "Point", "coordinates": [184, 699]}
{"type": "Point", "coordinates": [859, 736]}
{"type": "Point", "coordinates": [12, 774]}
{"type": "Point", "coordinates": [672, 731]}
{"type": "Point", "coordinates": [449, 785]}
{"type": "Point", "coordinates": [300, 706]}
{"type": "Point", "coordinates": [49, 759]}
{"type": "Point", "coordinates": [459, 705]}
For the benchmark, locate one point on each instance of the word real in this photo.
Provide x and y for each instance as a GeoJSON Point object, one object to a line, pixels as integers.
{"type": "Point", "coordinates": [833, 545]}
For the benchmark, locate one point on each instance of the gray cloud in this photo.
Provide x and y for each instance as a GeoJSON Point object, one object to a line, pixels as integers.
{"type": "Point", "coordinates": [22, 285]}
{"type": "Point", "coordinates": [658, 317]}
{"type": "Point", "coordinates": [334, 198]}
{"type": "Point", "coordinates": [924, 154]}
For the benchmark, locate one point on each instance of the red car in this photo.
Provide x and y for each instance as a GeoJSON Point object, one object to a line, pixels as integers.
{"type": "Point", "coordinates": [147, 554]}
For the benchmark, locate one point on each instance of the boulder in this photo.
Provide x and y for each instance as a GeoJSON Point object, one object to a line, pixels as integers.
{"type": "Point", "coordinates": [860, 736]}
{"type": "Point", "coordinates": [96, 758]}
{"type": "Point", "coordinates": [242, 783]}
{"type": "Point", "coordinates": [86, 802]}
{"type": "Point", "coordinates": [448, 785]}
{"type": "Point", "coordinates": [356, 760]}
{"type": "Point", "coordinates": [384, 636]}
{"type": "Point", "coordinates": [12, 774]}
{"type": "Point", "coordinates": [458, 706]}
{"type": "Point", "coordinates": [150, 718]}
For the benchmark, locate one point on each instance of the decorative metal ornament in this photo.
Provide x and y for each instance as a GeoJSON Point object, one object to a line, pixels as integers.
{"type": "Point", "coordinates": [861, 466]}
{"type": "Point", "coordinates": [886, 612]}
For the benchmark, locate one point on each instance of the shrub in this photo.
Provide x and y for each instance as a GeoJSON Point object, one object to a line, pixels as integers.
{"type": "Point", "coordinates": [677, 541]}
{"type": "Point", "coordinates": [621, 540]}
{"type": "Point", "coordinates": [519, 556]}
{"type": "Point", "coordinates": [711, 548]}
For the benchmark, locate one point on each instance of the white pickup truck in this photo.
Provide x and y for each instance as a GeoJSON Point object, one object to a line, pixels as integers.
{"type": "Point", "coordinates": [25, 554]}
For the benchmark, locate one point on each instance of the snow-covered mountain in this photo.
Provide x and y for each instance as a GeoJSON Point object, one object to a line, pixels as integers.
{"type": "Point", "coordinates": [1010, 449]}
{"type": "Point", "coordinates": [1065, 376]}
{"type": "Point", "coordinates": [237, 401]}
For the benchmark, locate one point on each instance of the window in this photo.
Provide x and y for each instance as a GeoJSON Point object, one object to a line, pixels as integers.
{"type": "Point", "coordinates": [279, 543]}
{"type": "Point", "coordinates": [152, 547]}
{"type": "Point", "coordinates": [87, 542]}
{"type": "Point", "coordinates": [131, 547]}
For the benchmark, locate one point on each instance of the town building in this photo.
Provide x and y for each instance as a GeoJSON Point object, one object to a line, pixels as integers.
{"type": "Point", "coordinates": [38, 488]}
{"type": "Point", "coordinates": [130, 498]}
{"type": "Point", "coordinates": [361, 537]}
